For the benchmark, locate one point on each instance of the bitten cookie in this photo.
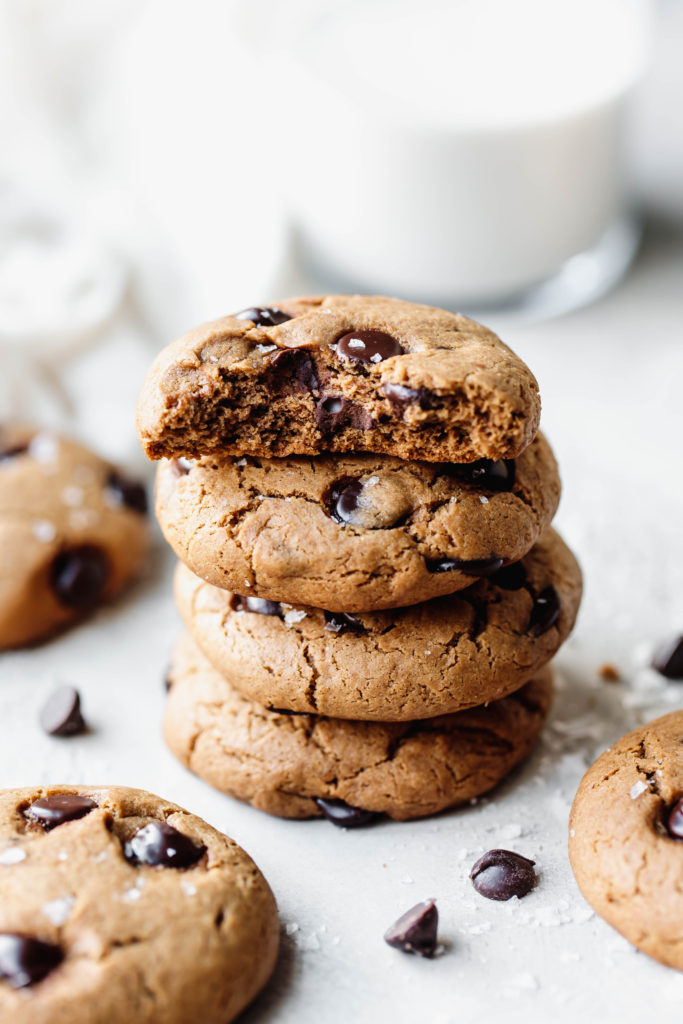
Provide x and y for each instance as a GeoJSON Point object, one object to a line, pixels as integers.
{"type": "Point", "coordinates": [118, 906]}
{"type": "Point", "coordinates": [340, 373]}
{"type": "Point", "coordinates": [430, 659]}
{"type": "Point", "coordinates": [283, 763]}
{"type": "Point", "coordinates": [354, 533]}
{"type": "Point", "coordinates": [73, 532]}
{"type": "Point", "coordinates": [626, 838]}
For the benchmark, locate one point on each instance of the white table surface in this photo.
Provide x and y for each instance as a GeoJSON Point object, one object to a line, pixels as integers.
{"type": "Point", "coordinates": [610, 378]}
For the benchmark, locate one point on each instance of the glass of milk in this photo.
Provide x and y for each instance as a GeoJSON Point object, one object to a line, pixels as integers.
{"type": "Point", "coordinates": [464, 152]}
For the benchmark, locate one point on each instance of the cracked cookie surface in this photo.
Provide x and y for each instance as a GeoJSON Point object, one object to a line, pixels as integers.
{"type": "Point", "coordinates": [73, 533]}
{"type": "Point", "coordinates": [340, 373]}
{"type": "Point", "coordinates": [627, 863]}
{"type": "Point", "coordinates": [118, 906]}
{"type": "Point", "coordinates": [282, 763]}
{"type": "Point", "coordinates": [398, 665]}
{"type": "Point", "coordinates": [354, 532]}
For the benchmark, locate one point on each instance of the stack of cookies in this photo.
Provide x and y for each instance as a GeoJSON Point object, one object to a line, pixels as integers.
{"type": "Point", "coordinates": [361, 505]}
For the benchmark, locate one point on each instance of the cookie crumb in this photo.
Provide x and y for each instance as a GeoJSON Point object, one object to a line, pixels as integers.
{"type": "Point", "coordinates": [609, 673]}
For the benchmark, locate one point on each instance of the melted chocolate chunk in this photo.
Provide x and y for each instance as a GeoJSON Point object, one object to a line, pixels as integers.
{"type": "Point", "coordinates": [79, 575]}
{"type": "Point", "coordinates": [674, 821]}
{"type": "Point", "coordinates": [341, 498]}
{"type": "Point", "coordinates": [486, 474]}
{"type": "Point", "coordinates": [160, 845]}
{"type": "Point", "coordinates": [510, 577]}
{"type": "Point", "coordinates": [263, 316]}
{"type": "Point", "coordinates": [12, 451]}
{"type": "Point", "coordinates": [343, 815]}
{"type": "Point", "coordinates": [545, 612]}
{"type": "Point", "coordinates": [61, 714]}
{"type": "Point", "coordinates": [342, 622]}
{"type": "Point", "coordinates": [668, 659]}
{"type": "Point", "coordinates": [258, 605]}
{"type": "Point", "coordinates": [52, 811]}
{"type": "Point", "coordinates": [415, 931]}
{"type": "Point", "coordinates": [401, 395]}
{"type": "Point", "coordinates": [367, 346]}
{"type": "Point", "coordinates": [297, 365]}
{"type": "Point", "coordinates": [25, 960]}
{"type": "Point", "coordinates": [502, 874]}
{"type": "Point", "coordinates": [334, 412]}
{"type": "Point", "coordinates": [127, 492]}
{"type": "Point", "coordinates": [471, 567]}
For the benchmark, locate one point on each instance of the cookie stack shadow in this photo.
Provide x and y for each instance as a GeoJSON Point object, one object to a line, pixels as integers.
{"type": "Point", "coordinates": [368, 632]}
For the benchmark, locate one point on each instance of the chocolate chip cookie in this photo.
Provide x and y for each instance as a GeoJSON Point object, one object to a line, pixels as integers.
{"type": "Point", "coordinates": [340, 373]}
{"type": "Point", "coordinates": [430, 659]}
{"type": "Point", "coordinates": [284, 764]}
{"type": "Point", "coordinates": [354, 532]}
{"type": "Point", "coordinates": [626, 838]}
{"type": "Point", "coordinates": [118, 906]}
{"type": "Point", "coordinates": [73, 532]}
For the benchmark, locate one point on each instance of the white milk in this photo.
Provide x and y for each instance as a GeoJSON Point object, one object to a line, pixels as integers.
{"type": "Point", "coordinates": [461, 150]}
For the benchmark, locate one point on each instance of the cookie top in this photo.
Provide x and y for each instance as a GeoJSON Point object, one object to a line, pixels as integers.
{"type": "Point", "coordinates": [627, 862]}
{"type": "Point", "coordinates": [354, 532]}
{"type": "Point", "coordinates": [283, 763]}
{"type": "Point", "coordinates": [73, 532]}
{"type": "Point", "coordinates": [339, 373]}
{"type": "Point", "coordinates": [429, 659]}
{"type": "Point", "coordinates": [118, 906]}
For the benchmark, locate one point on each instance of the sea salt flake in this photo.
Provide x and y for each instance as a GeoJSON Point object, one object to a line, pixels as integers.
{"type": "Point", "coordinates": [376, 358]}
{"type": "Point", "coordinates": [266, 348]}
{"type": "Point", "coordinates": [188, 888]}
{"type": "Point", "coordinates": [483, 499]}
{"type": "Point", "coordinates": [58, 910]}
{"type": "Point", "coordinates": [44, 530]}
{"type": "Point", "coordinates": [131, 895]}
{"type": "Point", "coordinates": [44, 448]}
{"type": "Point", "coordinates": [291, 928]}
{"type": "Point", "coordinates": [372, 481]}
{"type": "Point", "coordinates": [12, 855]}
{"type": "Point", "coordinates": [637, 789]}
{"type": "Point", "coordinates": [242, 461]}
{"type": "Point", "coordinates": [296, 615]}
{"type": "Point", "coordinates": [72, 496]}
{"type": "Point", "coordinates": [356, 343]}
{"type": "Point", "coordinates": [63, 855]}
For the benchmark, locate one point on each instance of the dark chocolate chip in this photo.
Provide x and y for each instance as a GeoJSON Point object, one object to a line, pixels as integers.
{"type": "Point", "coordinates": [181, 467]}
{"type": "Point", "coordinates": [502, 874]}
{"type": "Point", "coordinates": [263, 316]}
{"type": "Point", "coordinates": [168, 681]}
{"type": "Point", "coordinates": [61, 714]}
{"type": "Point", "coordinates": [258, 605]}
{"type": "Point", "coordinates": [674, 821]}
{"type": "Point", "coordinates": [333, 412]}
{"type": "Point", "coordinates": [668, 659]}
{"type": "Point", "coordinates": [160, 845]}
{"type": "Point", "coordinates": [341, 498]}
{"type": "Point", "coordinates": [401, 395]}
{"type": "Point", "coordinates": [296, 364]}
{"type": "Point", "coordinates": [51, 811]}
{"type": "Point", "coordinates": [471, 567]}
{"type": "Point", "coordinates": [368, 346]}
{"type": "Point", "coordinates": [343, 815]}
{"type": "Point", "coordinates": [127, 492]}
{"type": "Point", "coordinates": [415, 931]}
{"type": "Point", "coordinates": [486, 474]}
{"type": "Point", "coordinates": [510, 577]}
{"type": "Point", "coordinates": [79, 575]}
{"type": "Point", "coordinates": [11, 451]}
{"type": "Point", "coordinates": [545, 612]}
{"type": "Point", "coordinates": [25, 960]}
{"type": "Point", "coordinates": [342, 622]}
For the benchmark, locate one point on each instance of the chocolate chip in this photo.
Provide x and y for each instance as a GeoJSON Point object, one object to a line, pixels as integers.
{"type": "Point", "coordinates": [510, 577]}
{"type": "Point", "coordinates": [51, 811]}
{"type": "Point", "coordinates": [181, 467]}
{"type": "Point", "coordinates": [674, 821]}
{"type": "Point", "coordinates": [486, 474]}
{"type": "Point", "coordinates": [258, 605]}
{"type": "Point", "coordinates": [368, 346]}
{"type": "Point", "coordinates": [343, 815]}
{"type": "Point", "coordinates": [668, 659]}
{"type": "Point", "coordinates": [545, 612]}
{"type": "Point", "coordinates": [401, 395]}
{"type": "Point", "coordinates": [25, 960]}
{"type": "Point", "coordinates": [333, 412]}
{"type": "Point", "coordinates": [79, 575]}
{"type": "Point", "coordinates": [61, 714]}
{"type": "Point", "coordinates": [342, 622]}
{"type": "Point", "coordinates": [471, 567]}
{"type": "Point", "coordinates": [341, 498]}
{"type": "Point", "coordinates": [168, 680]}
{"type": "Point", "coordinates": [11, 451]}
{"type": "Point", "coordinates": [127, 492]}
{"type": "Point", "coordinates": [298, 365]}
{"type": "Point", "coordinates": [415, 931]}
{"type": "Point", "coordinates": [263, 316]}
{"type": "Point", "coordinates": [502, 874]}
{"type": "Point", "coordinates": [160, 845]}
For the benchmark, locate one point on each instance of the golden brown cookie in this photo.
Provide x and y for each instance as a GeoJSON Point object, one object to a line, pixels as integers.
{"type": "Point", "coordinates": [73, 532]}
{"type": "Point", "coordinates": [283, 764]}
{"type": "Point", "coordinates": [118, 906]}
{"type": "Point", "coordinates": [626, 838]}
{"type": "Point", "coordinates": [354, 532]}
{"type": "Point", "coordinates": [340, 373]}
{"type": "Point", "coordinates": [430, 659]}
